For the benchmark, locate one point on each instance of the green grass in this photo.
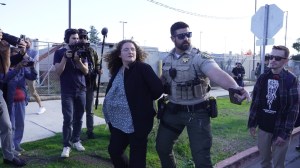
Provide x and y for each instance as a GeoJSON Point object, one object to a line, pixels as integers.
{"type": "Point", "coordinates": [229, 130]}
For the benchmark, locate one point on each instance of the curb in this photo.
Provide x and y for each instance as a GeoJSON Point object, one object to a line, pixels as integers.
{"type": "Point", "coordinates": [240, 159]}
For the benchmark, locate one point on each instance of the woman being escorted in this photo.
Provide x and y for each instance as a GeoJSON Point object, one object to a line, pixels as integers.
{"type": "Point", "coordinates": [128, 104]}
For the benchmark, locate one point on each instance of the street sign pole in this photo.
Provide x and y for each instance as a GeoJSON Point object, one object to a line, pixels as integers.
{"type": "Point", "coordinates": [265, 34]}
{"type": "Point", "coordinates": [265, 23]}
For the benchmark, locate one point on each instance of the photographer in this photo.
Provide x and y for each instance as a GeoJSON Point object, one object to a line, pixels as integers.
{"type": "Point", "coordinates": [71, 69]}
{"type": "Point", "coordinates": [90, 79]}
{"type": "Point", "coordinates": [5, 124]}
{"type": "Point", "coordinates": [17, 98]}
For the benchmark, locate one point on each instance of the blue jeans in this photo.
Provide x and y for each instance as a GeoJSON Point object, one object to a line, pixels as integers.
{"type": "Point", "coordinates": [17, 118]}
{"type": "Point", "coordinates": [73, 110]}
{"type": "Point", "coordinates": [89, 110]}
{"type": "Point", "coordinates": [5, 130]}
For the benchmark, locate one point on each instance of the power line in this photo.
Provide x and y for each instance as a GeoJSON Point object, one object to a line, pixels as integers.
{"type": "Point", "coordinates": [193, 13]}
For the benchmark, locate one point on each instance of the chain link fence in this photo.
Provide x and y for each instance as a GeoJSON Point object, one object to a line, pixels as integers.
{"type": "Point", "coordinates": [48, 81]}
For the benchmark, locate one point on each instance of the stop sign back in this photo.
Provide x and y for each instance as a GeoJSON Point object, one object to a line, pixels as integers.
{"type": "Point", "coordinates": [273, 21]}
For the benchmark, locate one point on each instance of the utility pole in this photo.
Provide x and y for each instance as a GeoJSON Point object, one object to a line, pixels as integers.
{"type": "Point", "coordinates": [69, 14]}
{"type": "Point", "coordinates": [254, 41]}
{"type": "Point", "coordinates": [123, 22]}
{"type": "Point", "coordinates": [286, 23]}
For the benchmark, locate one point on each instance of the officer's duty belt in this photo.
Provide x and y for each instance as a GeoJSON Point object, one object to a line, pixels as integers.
{"type": "Point", "coordinates": [199, 106]}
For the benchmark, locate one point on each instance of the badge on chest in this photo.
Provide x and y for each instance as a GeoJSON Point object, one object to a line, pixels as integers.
{"type": "Point", "coordinates": [185, 59]}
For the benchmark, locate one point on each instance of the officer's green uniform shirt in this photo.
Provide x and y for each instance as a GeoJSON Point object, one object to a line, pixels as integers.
{"type": "Point", "coordinates": [191, 63]}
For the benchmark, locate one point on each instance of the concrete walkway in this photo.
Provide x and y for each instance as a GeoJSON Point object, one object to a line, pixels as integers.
{"type": "Point", "coordinates": [49, 123]}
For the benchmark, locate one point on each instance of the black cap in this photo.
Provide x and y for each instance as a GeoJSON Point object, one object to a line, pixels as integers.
{"type": "Point", "coordinates": [82, 32]}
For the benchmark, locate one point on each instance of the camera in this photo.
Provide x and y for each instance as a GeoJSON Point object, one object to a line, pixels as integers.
{"type": "Point", "coordinates": [22, 37]}
{"type": "Point", "coordinates": [13, 40]}
{"type": "Point", "coordinates": [81, 49]}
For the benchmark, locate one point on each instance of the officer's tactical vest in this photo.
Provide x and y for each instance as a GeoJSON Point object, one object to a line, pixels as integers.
{"type": "Point", "coordinates": [190, 86]}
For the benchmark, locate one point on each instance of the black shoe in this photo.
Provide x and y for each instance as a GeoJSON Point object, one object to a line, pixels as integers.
{"type": "Point", "coordinates": [298, 148]}
{"type": "Point", "coordinates": [90, 135]}
{"type": "Point", "coordinates": [16, 162]}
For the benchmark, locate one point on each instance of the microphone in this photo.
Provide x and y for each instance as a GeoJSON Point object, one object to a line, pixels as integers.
{"type": "Point", "coordinates": [104, 31]}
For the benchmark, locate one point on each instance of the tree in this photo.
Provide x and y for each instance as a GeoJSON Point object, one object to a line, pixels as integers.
{"type": "Point", "coordinates": [94, 35]}
{"type": "Point", "coordinates": [296, 45]}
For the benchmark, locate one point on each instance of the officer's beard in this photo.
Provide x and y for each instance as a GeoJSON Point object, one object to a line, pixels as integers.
{"type": "Point", "coordinates": [183, 46]}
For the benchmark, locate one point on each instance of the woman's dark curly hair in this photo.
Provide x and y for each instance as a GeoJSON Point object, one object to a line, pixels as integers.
{"type": "Point", "coordinates": [114, 62]}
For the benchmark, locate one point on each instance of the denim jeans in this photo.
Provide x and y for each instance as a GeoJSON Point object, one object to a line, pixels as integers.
{"type": "Point", "coordinates": [89, 110]}
{"type": "Point", "coordinates": [5, 130]}
{"type": "Point", "coordinates": [17, 118]}
{"type": "Point", "coordinates": [73, 110]}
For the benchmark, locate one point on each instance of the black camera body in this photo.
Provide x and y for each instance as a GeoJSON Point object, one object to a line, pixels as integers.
{"type": "Point", "coordinates": [12, 40]}
{"type": "Point", "coordinates": [81, 49]}
{"type": "Point", "coordinates": [22, 37]}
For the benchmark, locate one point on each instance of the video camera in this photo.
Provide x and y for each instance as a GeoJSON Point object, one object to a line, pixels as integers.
{"type": "Point", "coordinates": [13, 40]}
{"type": "Point", "coordinates": [81, 49]}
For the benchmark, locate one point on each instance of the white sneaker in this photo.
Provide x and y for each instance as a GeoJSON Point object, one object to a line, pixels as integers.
{"type": "Point", "coordinates": [78, 146]}
{"type": "Point", "coordinates": [41, 110]}
{"type": "Point", "coordinates": [66, 152]}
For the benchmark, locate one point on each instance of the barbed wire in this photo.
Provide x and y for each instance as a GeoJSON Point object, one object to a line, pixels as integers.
{"type": "Point", "coordinates": [195, 14]}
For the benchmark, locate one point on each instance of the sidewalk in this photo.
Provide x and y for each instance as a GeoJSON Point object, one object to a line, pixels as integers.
{"type": "Point", "coordinates": [49, 123]}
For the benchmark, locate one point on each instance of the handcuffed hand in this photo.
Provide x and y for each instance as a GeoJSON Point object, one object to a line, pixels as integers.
{"type": "Point", "coordinates": [244, 95]}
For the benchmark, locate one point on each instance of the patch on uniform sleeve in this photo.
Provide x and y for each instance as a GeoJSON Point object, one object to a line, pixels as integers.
{"type": "Point", "coordinates": [205, 55]}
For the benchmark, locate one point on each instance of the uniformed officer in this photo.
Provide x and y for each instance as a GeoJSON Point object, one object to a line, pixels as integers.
{"type": "Point", "coordinates": [186, 74]}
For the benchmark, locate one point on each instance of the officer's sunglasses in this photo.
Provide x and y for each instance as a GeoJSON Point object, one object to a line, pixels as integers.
{"type": "Point", "coordinates": [183, 35]}
{"type": "Point", "coordinates": [277, 58]}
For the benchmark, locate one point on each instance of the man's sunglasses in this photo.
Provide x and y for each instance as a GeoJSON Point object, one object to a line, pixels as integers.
{"type": "Point", "coordinates": [183, 35]}
{"type": "Point", "coordinates": [277, 58]}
